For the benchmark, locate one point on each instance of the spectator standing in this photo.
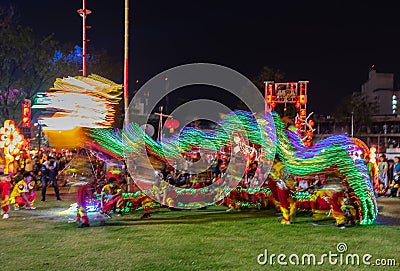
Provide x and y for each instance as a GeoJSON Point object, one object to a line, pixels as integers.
{"type": "Point", "coordinates": [383, 170]}
{"type": "Point", "coordinates": [390, 170]}
{"type": "Point", "coordinates": [37, 165]}
{"type": "Point", "coordinates": [396, 174]}
{"type": "Point", "coordinates": [50, 171]}
{"type": "Point", "coordinates": [42, 179]}
{"type": "Point", "coordinates": [60, 161]}
{"type": "Point", "coordinates": [396, 169]}
{"type": "Point", "coordinates": [370, 168]}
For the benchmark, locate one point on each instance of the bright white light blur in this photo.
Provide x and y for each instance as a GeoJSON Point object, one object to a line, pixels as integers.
{"type": "Point", "coordinates": [81, 102]}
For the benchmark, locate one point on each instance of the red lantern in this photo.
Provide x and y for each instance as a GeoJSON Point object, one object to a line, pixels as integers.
{"type": "Point", "coordinates": [171, 124]}
{"type": "Point", "coordinates": [26, 113]}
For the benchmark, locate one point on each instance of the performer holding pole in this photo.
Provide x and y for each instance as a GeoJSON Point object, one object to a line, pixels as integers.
{"type": "Point", "coordinates": [281, 192]}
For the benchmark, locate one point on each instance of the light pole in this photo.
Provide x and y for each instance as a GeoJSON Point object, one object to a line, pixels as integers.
{"type": "Point", "coordinates": [84, 12]}
{"type": "Point", "coordinates": [161, 115]}
{"type": "Point", "coordinates": [166, 91]}
{"type": "Point", "coordinates": [126, 43]}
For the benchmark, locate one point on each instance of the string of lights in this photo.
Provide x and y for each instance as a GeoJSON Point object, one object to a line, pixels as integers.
{"type": "Point", "coordinates": [330, 153]}
{"type": "Point", "coordinates": [333, 153]}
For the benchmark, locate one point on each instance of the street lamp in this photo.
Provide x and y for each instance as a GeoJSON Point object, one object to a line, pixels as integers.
{"type": "Point", "coordinates": [352, 124]}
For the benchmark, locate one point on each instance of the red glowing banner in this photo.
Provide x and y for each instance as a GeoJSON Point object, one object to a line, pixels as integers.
{"type": "Point", "coordinates": [26, 113]}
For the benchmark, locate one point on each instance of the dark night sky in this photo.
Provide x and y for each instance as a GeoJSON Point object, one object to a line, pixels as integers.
{"type": "Point", "coordinates": [330, 43]}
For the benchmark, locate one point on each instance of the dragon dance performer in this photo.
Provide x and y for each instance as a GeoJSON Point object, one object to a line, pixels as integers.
{"type": "Point", "coordinates": [273, 197]}
{"type": "Point", "coordinates": [22, 194]}
{"type": "Point", "coordinates": [82, 197]}
{"type": "Point", "coordinates": [232, 201]}
{"type": "Point", "coordinates": [251, 166]}
{"type": "Point", "coordinates": [278, 183]}
{"type": "Point", "coordinates": [349, 208]}
{"type": "Point", "coordinates": [330, 200]}
{"type": "Point", "coordinates": [261, 197]}
{"type": "Point", "coordinates": [122, 201]}
{"type": "Point", "coordinates": [110, 195]}
{"type": "Point", "coordinates": [147, 204]}
{"type": "Point", "coordinates": [5, 183]}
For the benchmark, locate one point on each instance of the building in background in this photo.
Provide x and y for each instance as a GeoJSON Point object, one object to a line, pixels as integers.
{"type": "Point", "coordinates": [379, 88]}
{"type": "Point", "coordinates": [383, 131]}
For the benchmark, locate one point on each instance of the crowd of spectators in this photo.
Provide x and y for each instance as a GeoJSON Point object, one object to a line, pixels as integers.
{"type": "Point", "coordinates": [387, 183]}
{"type": "Point", "coordinates": [43, 166]}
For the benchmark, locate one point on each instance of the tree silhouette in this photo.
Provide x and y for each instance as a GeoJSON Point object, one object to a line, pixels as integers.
{"type": "Point", "coordinates": [265, 74]}
{"type": "Point", "coordinates": [29, 65]}
{"type": "Point", "coordinates": [357, 105]}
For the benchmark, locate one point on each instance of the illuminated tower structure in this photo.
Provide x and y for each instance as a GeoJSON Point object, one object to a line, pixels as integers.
{"type": "Point", "coordinates": [291, 93]}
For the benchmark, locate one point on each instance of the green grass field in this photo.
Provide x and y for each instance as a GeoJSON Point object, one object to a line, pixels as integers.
{"type": "Point", "coordinates": [209, 239]}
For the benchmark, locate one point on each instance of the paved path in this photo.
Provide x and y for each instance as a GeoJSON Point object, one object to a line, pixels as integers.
{"type": "Point", "coordinates": [389, 211]}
